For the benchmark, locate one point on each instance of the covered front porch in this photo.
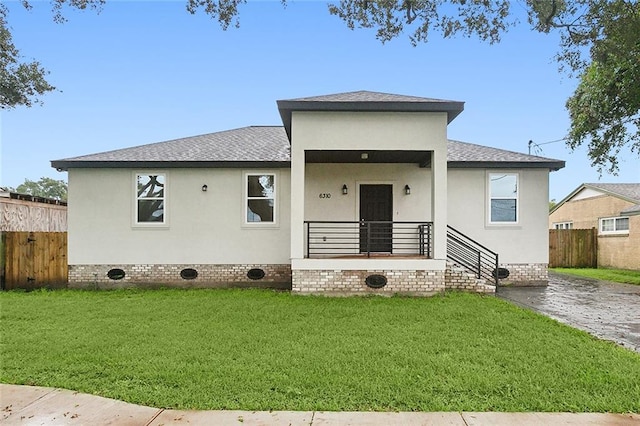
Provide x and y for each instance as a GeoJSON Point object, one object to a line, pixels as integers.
{"type": "Point", "coordinates": [370, 228]}
{"type": "Point", "coordinates": [368, 192]}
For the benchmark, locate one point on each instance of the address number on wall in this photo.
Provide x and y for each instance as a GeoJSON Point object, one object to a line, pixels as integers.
{"type": "Point", "coordinates": [325, 195]}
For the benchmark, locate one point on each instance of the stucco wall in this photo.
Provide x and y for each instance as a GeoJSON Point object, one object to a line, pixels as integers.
{"type": "Point", "coordinates": [369, 130]}
{"type": "Point", "coordinates": [614, 251]}
{"type": "Point", "coordinates": [526, 242]}
{"type": "Point", "coordinates": [202, 227]}
{"type": "Point", "coordinates": [621, 251]}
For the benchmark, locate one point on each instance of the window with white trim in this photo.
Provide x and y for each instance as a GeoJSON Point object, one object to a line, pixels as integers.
{"type": "Point", "coordinates": [614, 225]}
{"type": "Point", "coordinates": [150, 198]}
{"type": "Point", "coordinates": [563, 225]}
{"type": "Point", "coordinates": [503, 194]}
{"type": "Point", "coordinates": [260, 198]}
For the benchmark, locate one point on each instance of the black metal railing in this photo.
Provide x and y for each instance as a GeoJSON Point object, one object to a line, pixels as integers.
{"type": "Point", "coordinates": [471, 255]}
{"type": "Point", "coordinates": [343, 238]}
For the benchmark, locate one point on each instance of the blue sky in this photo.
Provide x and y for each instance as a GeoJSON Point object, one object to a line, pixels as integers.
{"type": "Point", "coordinates": [143, 72]}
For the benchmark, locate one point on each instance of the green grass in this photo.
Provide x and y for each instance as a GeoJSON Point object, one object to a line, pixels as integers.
{"type": "Point", "coordinates": [263, 350]}
{"type": "Point", "coordinates": [616, 275]}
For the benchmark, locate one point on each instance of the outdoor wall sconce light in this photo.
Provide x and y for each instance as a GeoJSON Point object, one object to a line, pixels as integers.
{"type": "Point", "coordinates": [407, 190]}
{"type": "Point", "coordinates": [204, 188]}
{"type": "Point", "coordinates": [345, 190]}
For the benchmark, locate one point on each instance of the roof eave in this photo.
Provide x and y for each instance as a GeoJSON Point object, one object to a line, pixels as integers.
{"type": "Point", "coordinates": [64, 165]}
{"type": "Point", "coordinates": [551, 165]}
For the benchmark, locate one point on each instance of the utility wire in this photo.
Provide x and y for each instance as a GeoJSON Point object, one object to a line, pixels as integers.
{"type": "Point", "coordinates": [537, 148]}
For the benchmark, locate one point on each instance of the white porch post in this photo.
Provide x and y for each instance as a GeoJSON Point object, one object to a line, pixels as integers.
{"type": "Point", "coordinates": [297, 201]}
{"type": "Point", "coordinates": [439, 201]}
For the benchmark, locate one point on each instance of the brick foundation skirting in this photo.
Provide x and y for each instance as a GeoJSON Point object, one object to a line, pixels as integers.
{"type": "Point", "coordinates": [221, 275]}
{"type": "Point", "coordinates": [526, 274]}
{"type": "Point", "coordinates": [457, 278]}
{"type": "Point", "coordinates": [353, 282]}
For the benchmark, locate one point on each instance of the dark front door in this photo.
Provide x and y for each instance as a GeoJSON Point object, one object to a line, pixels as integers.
{"type": "Point", "coordinates": [376, 204]}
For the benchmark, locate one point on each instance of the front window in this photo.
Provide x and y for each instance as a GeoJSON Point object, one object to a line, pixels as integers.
{"type": "Point", "coordinates": [260, 205]}
{"type": "Point", "coordinates": [503, 189]}
{"type": "Point", "coordinates": [150, 198]}
{"type": "Point", "coordinates": [614, 225]}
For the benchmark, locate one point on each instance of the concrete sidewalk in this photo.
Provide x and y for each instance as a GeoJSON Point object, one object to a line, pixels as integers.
{"type": "Point", "coordinates": [30, 405]}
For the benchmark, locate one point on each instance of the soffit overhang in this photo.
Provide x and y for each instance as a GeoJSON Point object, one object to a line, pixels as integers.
{"type": "Point", "coordinates": [422, 158]}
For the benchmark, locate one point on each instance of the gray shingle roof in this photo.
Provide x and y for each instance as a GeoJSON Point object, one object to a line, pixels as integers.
{"type": "Point", "coordinates": [464, 154]}
{"type": "Point", "coordinates": [243, 146]}
{"type": "Point", "coordinates": [268, 145]}
{"type": "Point", "coordinates": [366, 96]}
{"type": "Point", "coordinates": [629, 191]}
{"type": "Point", "coordinates": [633, 210]}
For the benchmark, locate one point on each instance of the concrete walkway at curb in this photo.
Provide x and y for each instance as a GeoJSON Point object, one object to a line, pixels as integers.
{"type": "Point", "coordinates": [32, 405]}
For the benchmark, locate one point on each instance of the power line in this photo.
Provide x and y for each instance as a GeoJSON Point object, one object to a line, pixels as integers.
{"type": "Point", "coordinates": [537, 148]}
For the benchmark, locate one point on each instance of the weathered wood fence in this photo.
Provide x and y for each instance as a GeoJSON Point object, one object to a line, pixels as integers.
{"type": "Point", "coordinates": [573, 248]}
{"type": "Point", "coordinates": [31, 260]}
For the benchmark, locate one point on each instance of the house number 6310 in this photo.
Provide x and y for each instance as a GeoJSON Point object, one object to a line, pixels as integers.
{"type": "Point", "coordinates": [325, 195]}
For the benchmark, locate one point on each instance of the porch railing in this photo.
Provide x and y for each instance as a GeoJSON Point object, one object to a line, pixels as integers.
{"type": "Point", "coordinates": [472, 255]}
{"type": "Point", "coordinates": [364, 238]}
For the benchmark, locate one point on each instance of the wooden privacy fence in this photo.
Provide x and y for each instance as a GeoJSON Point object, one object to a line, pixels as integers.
{"type": "Point", "coordinates": [573, 248]}
{"type": "Point", "coordinates": [31, 260]}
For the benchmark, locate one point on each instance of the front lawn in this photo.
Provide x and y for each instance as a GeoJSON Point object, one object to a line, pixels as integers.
{"type": "Point", "coordinates": [264, 350]}
{"type": "Point", "coordinates": [616, 275]}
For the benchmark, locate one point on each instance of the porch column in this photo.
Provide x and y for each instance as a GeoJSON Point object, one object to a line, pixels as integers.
{"type": "Point", "coordinates": [439, 202]}
{"type": "Point", "coordinates": [297, 201]}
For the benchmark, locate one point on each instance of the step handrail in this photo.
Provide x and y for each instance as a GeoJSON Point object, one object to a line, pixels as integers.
{"type": "Point", "coordinates": [471, 255]}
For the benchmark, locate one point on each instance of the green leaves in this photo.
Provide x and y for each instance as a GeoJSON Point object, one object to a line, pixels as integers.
{"type": "Point", "coordinates": [20, 82]}
{"type": "Point", "coordinates": [225, 11]}
{"type": "Point", "coordinates": [45, 187]}
{"type": "Point", "coordinates": [605, 108]}
{"type": "Point", "coordinates": [485, 19]}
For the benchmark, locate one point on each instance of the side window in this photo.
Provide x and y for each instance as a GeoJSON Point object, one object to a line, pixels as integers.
{"type": "Point", "coordinates": [614, 225]}
{"type": "Point", "coordinates": [150, 198]}
{"type": "Point", "coordinates": [260, 201]}
{"type": "Point", "coordinates": [503, 194]}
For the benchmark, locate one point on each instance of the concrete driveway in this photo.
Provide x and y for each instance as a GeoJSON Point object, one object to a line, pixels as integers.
{"type": "Point", "coordinates": [610, 311]}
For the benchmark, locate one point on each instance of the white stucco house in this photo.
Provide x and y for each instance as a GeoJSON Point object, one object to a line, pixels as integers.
{"type": "Point", "coordinates": [358, 192]}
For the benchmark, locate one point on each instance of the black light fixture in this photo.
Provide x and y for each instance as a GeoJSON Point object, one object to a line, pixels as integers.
{"type": "Point", "coordinates": [204, 188]}
{"type": "Point", "coordinates": [407, 190]}
{"type": "Point", "coordinates": [345, 190]}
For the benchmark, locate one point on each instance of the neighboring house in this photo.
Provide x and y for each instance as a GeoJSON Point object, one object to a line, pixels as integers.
{"type": "Point", "coordinates": [353, 194]}
{"type": "Point", "coordinates": [23, 212]}
{"type": "Point", "coordinates": [612, 208]}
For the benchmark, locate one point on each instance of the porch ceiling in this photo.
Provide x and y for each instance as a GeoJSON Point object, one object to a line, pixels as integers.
{"type": "Point", "coordinates": [422, 158]}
